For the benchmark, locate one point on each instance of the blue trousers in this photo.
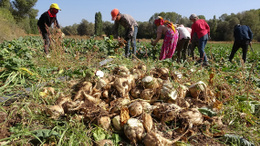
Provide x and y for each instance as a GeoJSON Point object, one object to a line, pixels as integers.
{"type": "Point", "coordinates": [131, 42]}
{"type": "Point", "coordinates": [202, 43]}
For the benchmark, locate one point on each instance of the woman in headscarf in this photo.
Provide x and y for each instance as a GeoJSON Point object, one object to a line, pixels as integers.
{"type": "Point", "coordinates": [170, 37]}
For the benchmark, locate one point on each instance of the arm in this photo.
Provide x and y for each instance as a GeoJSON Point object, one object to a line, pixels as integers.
{"type": "Point", "coordinates": [115, 29]}
{"type": "Point", "coordinates": [250, 34]}
{"type": "Point", "coordinates": [192, 32]}
{"type": "Point", "coordinates": [129, 33]}
{"type": "Point", "coordinates": [159, 35]}
{"type": "Point", "coordinates": [208, 28]}
{"type": "Point", "coordinates": [57, 23]}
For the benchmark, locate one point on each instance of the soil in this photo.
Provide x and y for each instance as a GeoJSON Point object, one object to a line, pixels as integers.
{"type": "Point", "coordinates": [8, 120]}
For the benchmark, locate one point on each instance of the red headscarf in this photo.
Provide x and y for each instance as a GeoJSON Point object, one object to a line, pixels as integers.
{"type": "Point", "coordinates": [158, 21]}
{"type": "Point", "coordinates": [52, 12]}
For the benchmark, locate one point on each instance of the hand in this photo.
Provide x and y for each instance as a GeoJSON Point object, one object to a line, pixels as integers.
{"type": "Point", "coordinates": [153, 43]}
{"type": "Point", "coordinates": [128, 37]}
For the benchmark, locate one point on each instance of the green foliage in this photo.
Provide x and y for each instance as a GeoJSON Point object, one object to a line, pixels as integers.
{"type": "Point", "coordinates": [5, 4]}
{"type": "Point", "coordinates": [8, 30]}
{"type": "Point", "coordinates": [33, 26]}
{"type": "Point", "coordinates": [101, 134]}
{"type": "Point", "coordinates": [6, 15]}
{"type": "Point", "coordinates": [98, 24]}
{"type": "Point", "coordinates": [15, 54]}
{"type": "Point", "coordinates": [23, 8]}
{"type": "Point", "coordinates": [85, 28]}
{"type": "Point", "coordinates": [170, 16]}
{"type": "Point", "coordinates": [146, 30]}
{"type": "Point", "coordinates": [107, 27]}
{"type": "Point", "coordinates": [70, 30]}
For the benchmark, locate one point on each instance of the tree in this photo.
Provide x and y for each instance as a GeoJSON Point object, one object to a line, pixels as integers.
{"type": "Point", "coordinates": [201, 17]}
{"type": "Point", "coordinates": [221, 30]}
{"type": "Point", "coordinates": [144, 30]}
{"type": "Point", "coordinates": [23, 8]}
{"type": "Point", "coordinates": [170, 16]}
{"type": "Point", "coordinates": [223, 17]}
{"type": "Point", "coordinates": [98, 24]}
{"type": "Point", "coordinates": [71, 30]}
{"type": "Point", "coordinates": [185, 21]}
{"type": "Point", "coordinates": [5, 4]}
{"type": "Point", "coordinates": [107, 27]}
{"type": "Point", "coordinates": [25, 15]}
{"type": "Point", "coordinates": [85, 28]}
{"type": "Point", "coordinates": [252, 19]}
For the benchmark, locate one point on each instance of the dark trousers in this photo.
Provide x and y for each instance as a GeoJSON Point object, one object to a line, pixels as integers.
{"type": "Point", "coordinates": [46, 40]}
{"type": "Point", "coordinates": [239, 44]}
{"type": "Point", "coordinates": [193, 45]}
{"type": "Point", "coordinates": [181, 49]}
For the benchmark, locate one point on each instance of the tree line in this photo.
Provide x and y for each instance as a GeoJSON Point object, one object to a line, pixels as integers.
{"type": "Point", "coordinates": [221, 29]}
{"type": "Point", "coordinates": [24, 15]}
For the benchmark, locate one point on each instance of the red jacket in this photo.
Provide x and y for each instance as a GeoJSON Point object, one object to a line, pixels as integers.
{"type": "Point", "coordinates": [201, 27]}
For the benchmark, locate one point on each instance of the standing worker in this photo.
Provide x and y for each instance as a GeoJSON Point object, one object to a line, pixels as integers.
{"type": "Point", "coordinates": [243, 37]}
{"type": "Point", "coordinates": [45, 21]}
{"type": "Point", "coordinates": [131, 28]}
{"type": "Point", "coordinates": [183, 42]}
{"type": "Point", "coordinates": [171, 35]}
{"type": "Point", "coordinates": [202, 29]}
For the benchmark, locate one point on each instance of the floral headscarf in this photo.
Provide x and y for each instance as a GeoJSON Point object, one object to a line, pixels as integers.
{"type": "Point", "coordinates": [159, 21]}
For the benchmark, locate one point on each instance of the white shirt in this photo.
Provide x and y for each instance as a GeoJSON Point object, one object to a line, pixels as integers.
{"type": "Point", "coordinates": [183, 33]}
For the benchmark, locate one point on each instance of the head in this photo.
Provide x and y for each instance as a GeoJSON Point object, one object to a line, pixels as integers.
{"type": "Point", "coordinates": [193, 17]}
{"type": "Point", "coordinates": [115, 14]}
{"type": "Point", "coordinates": [54, 8]}
{"type": "Point", "coordinates": [237, 25]}
{"type": "Point", "coordinates": [158, 21]}
{"type": "Point", "coordinates": [181, 25]}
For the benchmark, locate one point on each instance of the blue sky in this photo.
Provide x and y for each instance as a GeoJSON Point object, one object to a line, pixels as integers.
{"type": "Point", "coordinates": [74, 11]}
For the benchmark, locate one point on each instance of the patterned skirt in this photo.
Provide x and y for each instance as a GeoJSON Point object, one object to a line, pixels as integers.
{"type": "Point", "coordinates": [169, 44]}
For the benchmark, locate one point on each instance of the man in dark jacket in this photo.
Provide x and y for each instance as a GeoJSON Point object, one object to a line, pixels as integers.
{"type": "Point", "coordinates": [45, 21]}
{"type": "Point", "coordinates": [131, 27]}
{"type": "Point", "coordinates": [243, 37]}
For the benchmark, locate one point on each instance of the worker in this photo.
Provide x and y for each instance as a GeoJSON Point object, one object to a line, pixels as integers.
{"type": "Point", "coordinates": [183, 42]}
{"type": "Point", "coordinates": [243, 37]}
{"type": "Point", "coordinates": [171, 35]}
{"type": "Point", "coordinates": [45, 21]}
{"type": "Point", "coordinates": [202, 29]}
{"type": "Point", "coordinates": [131, 28]}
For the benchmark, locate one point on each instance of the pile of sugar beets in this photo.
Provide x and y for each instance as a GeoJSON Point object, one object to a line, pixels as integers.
{"type": "Point", "coordinates": [140, 104]}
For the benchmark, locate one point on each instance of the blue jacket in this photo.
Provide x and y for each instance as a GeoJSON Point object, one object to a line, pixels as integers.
{"type": "Point", "coordinates": [242, 32]}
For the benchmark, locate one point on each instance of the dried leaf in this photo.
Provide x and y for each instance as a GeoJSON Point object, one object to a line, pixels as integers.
{"type": "Point", "coordinates": [124, 115]}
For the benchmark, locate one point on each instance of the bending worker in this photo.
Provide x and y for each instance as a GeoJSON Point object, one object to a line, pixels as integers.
{"type": "Point", "coordinates": [45, 21]}
{"type": "Point", "coordinates": [131, 28]}
{"type": "Point", "coordinates": [243, 37]}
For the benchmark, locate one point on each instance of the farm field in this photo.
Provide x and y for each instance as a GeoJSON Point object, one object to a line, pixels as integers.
{"type": "Point", "coordinates": [88, 93]}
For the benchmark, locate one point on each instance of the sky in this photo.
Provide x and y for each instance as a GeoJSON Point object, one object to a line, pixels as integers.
{"type": "Point", "coordinates": [73, 11]}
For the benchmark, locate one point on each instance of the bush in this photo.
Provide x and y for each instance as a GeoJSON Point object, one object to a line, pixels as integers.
{"type": "Point", "coordinates": [8, 29]}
